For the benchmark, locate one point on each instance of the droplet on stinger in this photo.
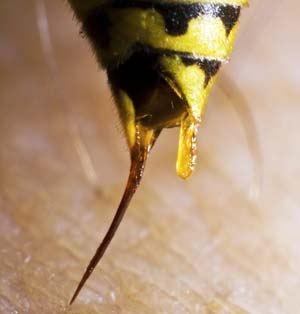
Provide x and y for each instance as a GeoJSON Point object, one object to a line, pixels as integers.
{"type": "Point", "coordinates": [187, 150]}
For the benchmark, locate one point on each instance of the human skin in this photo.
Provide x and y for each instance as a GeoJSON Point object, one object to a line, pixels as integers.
{"type": "Point", "coordinates": [205, 245]}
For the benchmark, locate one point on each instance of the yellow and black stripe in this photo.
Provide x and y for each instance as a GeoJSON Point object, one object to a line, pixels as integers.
{"type": "Point", "coordinates": [161, 57]}
{"type": "Point", "coordinates": [198, 29]}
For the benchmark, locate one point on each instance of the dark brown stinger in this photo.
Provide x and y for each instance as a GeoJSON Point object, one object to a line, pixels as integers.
{"type": "Point", "coordinates": [139, 154]}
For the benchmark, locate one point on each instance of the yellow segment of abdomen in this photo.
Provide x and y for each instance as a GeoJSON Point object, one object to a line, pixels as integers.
{"type": "Point", "coordinates": [205, 36]}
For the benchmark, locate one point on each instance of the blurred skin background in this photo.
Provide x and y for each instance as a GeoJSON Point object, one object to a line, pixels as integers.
{"type": "Point", "coordinates": [218, 243]}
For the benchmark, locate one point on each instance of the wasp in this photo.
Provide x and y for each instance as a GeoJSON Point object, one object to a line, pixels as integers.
{"type": "Point", "coordinates": [161, 59]}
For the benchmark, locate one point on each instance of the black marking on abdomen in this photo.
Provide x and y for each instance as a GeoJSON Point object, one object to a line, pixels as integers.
{"type": "Point", "coordinates": [178, 15]}
{"type": "Point", "coordinates": [229, 16]}
{"type": "Point", "coordinates": [210, 67]}
{"type": "Point", "coordinates": [155, 103]}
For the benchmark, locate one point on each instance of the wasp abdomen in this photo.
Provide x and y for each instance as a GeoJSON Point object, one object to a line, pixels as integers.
{"type": "Point", "coordinates": [161, 57]}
